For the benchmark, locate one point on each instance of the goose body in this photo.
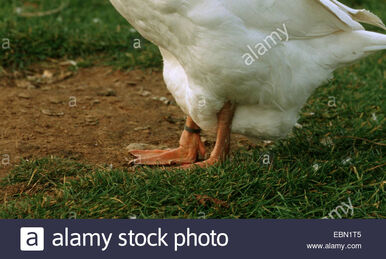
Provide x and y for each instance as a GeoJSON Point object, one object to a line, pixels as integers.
{"type": "Point", "coordinates": [218, 50]}
{"type": "Point", "coordinates": [265, 57]}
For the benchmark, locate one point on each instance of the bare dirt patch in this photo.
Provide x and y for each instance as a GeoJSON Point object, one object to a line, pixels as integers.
{"type": "Point", "coordinates": [89, 115]}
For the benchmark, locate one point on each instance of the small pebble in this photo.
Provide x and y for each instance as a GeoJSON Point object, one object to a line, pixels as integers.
{"type": "Point", "coordinates": [145, 93]}
{"type": "Point", "coordinates": [52, 113]}
{"type": "Point", "coordinates": [24, 95]}
{"type": "Point", "coordinates": [107, 92]}
{"type": "Point", "coordinates": [142, 128]}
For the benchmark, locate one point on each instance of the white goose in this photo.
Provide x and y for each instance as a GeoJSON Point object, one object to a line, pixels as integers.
{"type": "Point", "coordinates": [246, 66]}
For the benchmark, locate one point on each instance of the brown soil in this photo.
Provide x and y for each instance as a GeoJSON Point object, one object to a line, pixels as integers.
{"type": "Point", "coordinates": [113, 109]}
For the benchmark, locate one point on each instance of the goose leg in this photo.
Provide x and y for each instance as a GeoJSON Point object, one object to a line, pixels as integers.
{"type": "Point", "coordinates": [190, 145]}
{"type": "Point", "coordinates": [222, 147]}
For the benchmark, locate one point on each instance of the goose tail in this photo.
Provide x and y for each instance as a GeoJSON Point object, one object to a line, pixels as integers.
{"type": "Point", "coordinates": [349, 47]}
{"type": "Point", "coordinates": [376, 41]}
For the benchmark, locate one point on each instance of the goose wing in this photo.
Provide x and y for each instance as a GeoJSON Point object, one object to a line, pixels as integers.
{"type": "Point", "coordinates": [303, 18]}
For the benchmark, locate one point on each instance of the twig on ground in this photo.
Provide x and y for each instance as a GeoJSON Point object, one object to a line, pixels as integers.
{"type": "Point", "coordinates": [375, 167]}
{"type": "Point", "coordinates": [363, 139]}
{"type": "Point", "coordinates": [19, 11]}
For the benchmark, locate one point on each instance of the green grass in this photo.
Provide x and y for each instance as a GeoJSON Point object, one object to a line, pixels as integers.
{"type": "Point", "coordinates": [91, 31]}
{"type": "Point", "coordinates": [288, 188]}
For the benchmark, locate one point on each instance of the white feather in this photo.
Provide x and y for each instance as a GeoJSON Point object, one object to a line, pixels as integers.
{"type": "Point", "coordinates": [203, 43]}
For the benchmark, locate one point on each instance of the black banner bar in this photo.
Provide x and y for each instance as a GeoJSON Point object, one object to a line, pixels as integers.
{"type": "Point", "coordinates": [192, 239]}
